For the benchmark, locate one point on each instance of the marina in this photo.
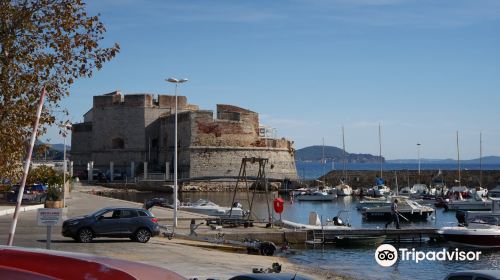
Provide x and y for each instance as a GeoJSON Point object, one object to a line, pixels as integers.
{"type": "Point", "coordinates": [325, 246]}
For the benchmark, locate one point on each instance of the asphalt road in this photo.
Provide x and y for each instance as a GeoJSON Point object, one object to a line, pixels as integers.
{"type": "Point", "coordinates": [190, 259]}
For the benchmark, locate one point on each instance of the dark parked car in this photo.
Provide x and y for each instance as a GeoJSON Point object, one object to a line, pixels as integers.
{"type": "Point", "coordinates": [474, 275]}
{"type": "Point", "coordinates": [137, 224]}
{"type": "Point", "coordinates": [32, 193]}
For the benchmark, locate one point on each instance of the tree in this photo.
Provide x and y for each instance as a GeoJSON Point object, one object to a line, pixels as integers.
{"type": "Point", "coordinates": [47, 43]}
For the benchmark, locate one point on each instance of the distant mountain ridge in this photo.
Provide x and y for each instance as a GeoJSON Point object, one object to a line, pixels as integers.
{"type": "Point", "coordinates": [485, 160]}
{"type": "Point", "coordinates": [47, 151]}
{"type": "Point", "coordinates": [315, 153]}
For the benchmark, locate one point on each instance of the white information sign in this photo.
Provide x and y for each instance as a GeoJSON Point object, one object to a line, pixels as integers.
{"type": "Point", "coordinates": [49, 216]}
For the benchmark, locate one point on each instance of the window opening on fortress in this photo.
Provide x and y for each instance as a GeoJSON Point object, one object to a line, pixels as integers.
{"type": "Point", "coordinates": [231, 116]}
{"type": "Point", "coordinates": [117, 143]}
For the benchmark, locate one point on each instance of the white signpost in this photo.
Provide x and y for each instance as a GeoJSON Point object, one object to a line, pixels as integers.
{"type": "Point", "coordinates": [49, 217]}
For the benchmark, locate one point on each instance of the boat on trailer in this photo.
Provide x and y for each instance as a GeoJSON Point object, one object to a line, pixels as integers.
{"type": "Point", "coordinates": [207, 207]}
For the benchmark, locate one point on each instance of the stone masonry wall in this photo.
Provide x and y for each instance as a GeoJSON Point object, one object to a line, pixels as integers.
{"type": "Point", "coordinates": [226, 161]}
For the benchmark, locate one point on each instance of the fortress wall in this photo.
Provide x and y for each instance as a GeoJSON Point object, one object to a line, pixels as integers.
{"type": "Point", "coordinates": [226, 161]}
{"type": "Point", "coordinates": [207, 131]}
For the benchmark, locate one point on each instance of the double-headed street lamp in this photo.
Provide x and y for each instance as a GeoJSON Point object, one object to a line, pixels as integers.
{"type": "Point", "coordinates": [176, 82]}
{"type": "Point", "coordinates": [65, 128]}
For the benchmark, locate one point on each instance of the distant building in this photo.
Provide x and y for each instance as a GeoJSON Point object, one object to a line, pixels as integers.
{"type": "Point", "coordinates": [129, 130]}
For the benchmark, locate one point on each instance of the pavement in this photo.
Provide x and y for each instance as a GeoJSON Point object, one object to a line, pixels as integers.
{"type": "Point", "coordinates": [186, 257]}
{"type": "Point", "coordinates": [8, 210]}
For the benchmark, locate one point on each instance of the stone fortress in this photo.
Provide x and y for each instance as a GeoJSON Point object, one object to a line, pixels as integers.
{"type": "Point", "coordinates": [133, 135]}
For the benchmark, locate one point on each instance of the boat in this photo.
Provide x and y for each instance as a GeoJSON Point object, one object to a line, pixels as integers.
{"type": "Point", "coordinates": [359, 240]}
{"type": "Point", "coordinates": [464, 217]}
{"type": "Point", "coordinates": [457, 191]}
{"type": "Point", "coordinates": [344, 189]}
{"type": "Point", "coordinates": [494, 192]}
{"type": "Point", "coordinates": [482, 232]}
{"type": "Point", "coordinates": [476, 228]}
{"type": "Point", "coordinates": [408, 209]}
{"type": "Point", "coordinates": [480, 191]}
{"type": "Point", "coordinates": [379, 190]}
{"type": "Point", "coordinates": [370, 203]}
{"type": "Point", "coordinates": [439, 185]}
{"type": "Point", "coordinates": [406, 191]}
{"type": "Point", "coordinates": [300, 191]}
{"type": "Point", "coordinates": [422, 189]}
{"type": "Point", "coordinates": [339, 222]}
{"type": "Point", "coordinates": [206, 207]}
{"type": "Point", "coordinates": [316, 196]}
{"type": "Point", "coordinates": [476, 202]}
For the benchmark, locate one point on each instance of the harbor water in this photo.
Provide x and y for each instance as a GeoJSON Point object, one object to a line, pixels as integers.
{"type": "Point", "coordinates": [356, 262]}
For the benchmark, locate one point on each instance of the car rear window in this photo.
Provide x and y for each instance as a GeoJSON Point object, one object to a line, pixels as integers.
{"type": "Point", "coordinates": [128, 214]}
{"type": "Point", "coordinates": [143, 214]}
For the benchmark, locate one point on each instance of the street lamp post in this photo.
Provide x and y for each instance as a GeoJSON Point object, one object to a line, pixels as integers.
{"type": "Point", "coordinates": [65, 128]}
{"type": "Point", "coordinates": [176, 82]}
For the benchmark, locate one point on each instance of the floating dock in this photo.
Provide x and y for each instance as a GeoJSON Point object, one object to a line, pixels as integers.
{"type": "Point", "coordinates": [414, 235]}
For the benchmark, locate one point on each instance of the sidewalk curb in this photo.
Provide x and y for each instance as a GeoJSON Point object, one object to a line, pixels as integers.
{"type": "Point", "coordinates": [22, 209]}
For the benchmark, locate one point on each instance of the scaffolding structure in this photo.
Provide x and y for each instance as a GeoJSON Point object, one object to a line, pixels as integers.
{"type": "Point", "coordinates": [261, 180]}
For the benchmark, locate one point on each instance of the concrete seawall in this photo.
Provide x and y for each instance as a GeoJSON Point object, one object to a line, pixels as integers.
{"type": "Point", "coordinates": [366, 178]}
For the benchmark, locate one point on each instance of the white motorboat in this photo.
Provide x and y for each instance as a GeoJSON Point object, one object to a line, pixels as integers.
{"type": "Point", "coordinates": [408, 208]}
{"type": "Point", "coordinates": [379, 190]}
{"type": "Point", "coordinates": [480, 191]}
{"type": "Point", "coordinates": [494, 192]}
{"type": "Point", "coordinates": [406, 191]}
{"type": "Point", "coordinates": [422, 189]}
{"type": "Point", "coordinates": [482, 229]}
{"type": "Point", "coordinates": [316, 224]}
{"type": "Point", "coordinates": [475, 203]}
{"type": "Point", "coordinates": [300, 191]}
{"type": "Point", "coordinates": [343, 189]}
{"type": "Point", "coordinates": [316, 196]}
{"type": "Point", "coordinates": [206, 207]}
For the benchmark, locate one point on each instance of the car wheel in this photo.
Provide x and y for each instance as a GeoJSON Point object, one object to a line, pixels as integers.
{"type": "Point", "coordinates": [85, 235]}
{"type": "Point", "coordinates": [142, 235]}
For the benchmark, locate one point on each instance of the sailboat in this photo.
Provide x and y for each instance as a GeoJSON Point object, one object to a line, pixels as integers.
{"type": "Point", "coordinates": [477, 197]}
{"type": "Point", "coordinates": [380, 189]}
{"type": "Point", "coordinates": [343, 189]}
{"type": "Point", "coordinates": [459, 191]}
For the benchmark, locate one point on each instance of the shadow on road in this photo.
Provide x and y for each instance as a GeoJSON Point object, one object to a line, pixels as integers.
{"type": "Point", "coordinates": [93, 241]}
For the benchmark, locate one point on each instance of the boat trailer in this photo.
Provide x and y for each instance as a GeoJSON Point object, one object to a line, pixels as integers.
{"type": "Point", "coordinates": [253, 246]}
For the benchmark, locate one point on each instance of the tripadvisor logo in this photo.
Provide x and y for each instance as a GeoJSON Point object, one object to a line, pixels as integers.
{"type": "Point", "coordinates": [387, 255]}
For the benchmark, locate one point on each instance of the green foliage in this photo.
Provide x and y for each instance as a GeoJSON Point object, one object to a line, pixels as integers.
{"type": "Point", "coordinates": [48, 176]}
{"type": "Point", "coordinates": [47, 43]}
{"type": "Point", "coordinates": [54, 193]}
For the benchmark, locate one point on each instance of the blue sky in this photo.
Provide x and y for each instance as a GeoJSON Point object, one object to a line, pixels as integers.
{"type": "Point", "coordinates": [422, 69]}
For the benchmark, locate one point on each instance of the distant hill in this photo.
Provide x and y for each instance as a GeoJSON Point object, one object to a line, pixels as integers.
{"type": "Point", "coordinates": [315, 153]}
{"type": "Point", "coordinates": [60, 147]}
{"type": "Point", "coordinates": [49, 151]}
{"type": "Point", "coordinates": [485, 160]}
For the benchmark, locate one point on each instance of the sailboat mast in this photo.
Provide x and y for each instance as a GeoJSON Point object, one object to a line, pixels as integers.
{"type": "Point", "coordinates": [323, 161]}
{"type": "Point", "coordinates": [345, 159]}
{"type": "Point", "coordinates": [458, 162]}
{"type": "Point", "coordinates": [480, 159]}
{"type": "Point", "coordinates": [380, 149]}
